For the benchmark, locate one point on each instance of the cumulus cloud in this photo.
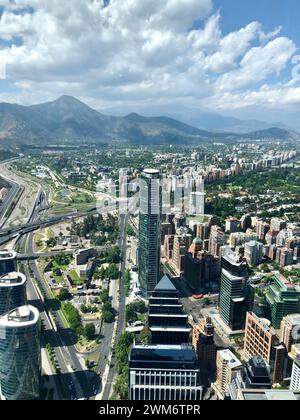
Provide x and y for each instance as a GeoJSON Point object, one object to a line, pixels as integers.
{"type": "Point", "coordinates": [133, 52]}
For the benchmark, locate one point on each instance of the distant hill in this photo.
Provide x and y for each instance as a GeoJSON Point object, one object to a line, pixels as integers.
{"type": "Point", "coordinates": [68, 118]}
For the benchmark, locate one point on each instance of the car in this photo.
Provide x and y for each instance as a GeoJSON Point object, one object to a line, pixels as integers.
{"type": "Point", "coordinates": [198, 296]}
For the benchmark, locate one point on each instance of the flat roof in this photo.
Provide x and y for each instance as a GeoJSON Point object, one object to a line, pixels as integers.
{"type": "Point", "coordinates": [232, 360]}
{"type": "Point", "coordinates": [7, 255]}
{"type": "Point", "coordinates": [150, 171]}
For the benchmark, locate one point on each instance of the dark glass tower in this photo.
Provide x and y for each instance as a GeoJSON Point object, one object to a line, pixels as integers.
{"type": "Point", "coordinates": [236, 294]}
{"type": "Point", "coordinates": [8, 262]}
{"type": "Point", "coordinates": [168, 324]}
{"type": "Point", "coordinates": [20, 354]}
{"type": "Point", "coordinates": [12, 292]}
{"type": "Point", "coordinates": [149, 230]}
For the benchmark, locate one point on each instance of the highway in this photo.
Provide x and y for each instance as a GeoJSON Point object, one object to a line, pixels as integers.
{"type": "Point", "coordinates": [74, 380]}
{"type": "Point", "coordinates": [9, 198]}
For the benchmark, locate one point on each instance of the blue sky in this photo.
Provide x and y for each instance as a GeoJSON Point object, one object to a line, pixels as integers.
{"type": "Point", "coordinates": [132, 55]}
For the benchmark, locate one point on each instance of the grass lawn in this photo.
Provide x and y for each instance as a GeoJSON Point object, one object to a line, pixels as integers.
{"type": "Point", "coordinates": [75, 279]}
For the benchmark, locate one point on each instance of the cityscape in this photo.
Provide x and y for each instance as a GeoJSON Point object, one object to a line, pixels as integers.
{"type": "Point", "coordinates": [146, 258]}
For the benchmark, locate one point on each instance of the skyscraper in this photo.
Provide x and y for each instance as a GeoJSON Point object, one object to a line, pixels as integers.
{"type": "Point", "coordinates": [236, 293]}
{"type": "Point", "coordinates": [149, 230]}
{"type": "Point", "coordinates": [168, 324]}
{"type": "Point", "coordinates": [12, 292]}
{"type": "Point", "coordinates": [8, 262]}
{"type": "Point", "coordinates": [20, 354]}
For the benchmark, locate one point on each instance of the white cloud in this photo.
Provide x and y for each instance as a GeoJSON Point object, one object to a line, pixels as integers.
{"type": "Point", "coordinates": [137, 52]}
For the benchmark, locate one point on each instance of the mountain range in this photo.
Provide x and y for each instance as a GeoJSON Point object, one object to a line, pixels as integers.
{"type": "Point", "coordinates": [68, 118]}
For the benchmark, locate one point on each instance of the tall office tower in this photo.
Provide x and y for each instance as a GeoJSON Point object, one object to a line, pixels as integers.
{"type": "Point", "coordinates": [295, 379]}
{"type": "Point", "coordinates": [197, 204]}
{"type": "Point", "coordinates": [12, 292]}
{"type": "Point", "coordinates": [164, 373]}
{"type": "Point", "coordinates": [232, 225]}
{"type": "Point", "coordinates": [217, 239]}
{"type": "Point", "coordinates": [278, 224]}
{"type": "Point", "coordinates": [253, 252]}
{"type": "Point", "coordinates": [149, 230]}
{"type": "Point", "coordinates": [283, 298]}
{"type": "Point", "coordinates": [246, 222]}
{"type": "Point", "coordinates": [204, 343]}
{"type": "Point", "coordinates": [8, 262]}
{"type": "Point", "coordinates": [20, 354]}
{"type": "Point", "coordinates": [254, 375]}
{"type": "Point", "coordinates": [236, 293]}
{"type": "Point", "coordinates": [228, 366]}
{"type": "Point", "coordinates": [168, 324]}
{"type": "Point", "coordinates": [290, 331]}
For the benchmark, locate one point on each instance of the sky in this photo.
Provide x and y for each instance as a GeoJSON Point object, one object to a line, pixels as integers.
{"type": "Point", "coordinates": [236, 58]}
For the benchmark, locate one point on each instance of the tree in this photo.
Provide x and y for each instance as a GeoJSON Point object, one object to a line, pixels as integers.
{"type": "Point", "coordinates": [90, 331]}
{"type": "Point", "coordinates": [63, 295]}
{"type": "Point", "coordinates": [104, 296]}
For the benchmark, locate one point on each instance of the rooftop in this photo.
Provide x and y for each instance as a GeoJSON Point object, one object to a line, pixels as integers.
{"type": "Point", "coordinates": [12, 279]}
{"type": "Point", "coordinates": [165, 284]}
{"type": "Point", "coordinates": [5, 254]}
{"type": "Point", "coordinates": [20, 317]}
{"type": "Point", "coordinates": [232, 361]}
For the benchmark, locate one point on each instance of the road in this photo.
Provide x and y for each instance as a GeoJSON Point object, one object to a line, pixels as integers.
{"type": "Point", "coordinates": [74, 380]}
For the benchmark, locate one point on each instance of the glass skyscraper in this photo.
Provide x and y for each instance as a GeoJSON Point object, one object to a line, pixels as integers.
{"type": "Point", "coordinates": [12, 292]}
{"type": "Point", "coordinates": [20, 354]}
{"type": "Point", "coordinates": [149, 230]}
{"type": "Point", "coordinates": [8, 262]}
{"type": "Point", "coordinates": [236, 293]}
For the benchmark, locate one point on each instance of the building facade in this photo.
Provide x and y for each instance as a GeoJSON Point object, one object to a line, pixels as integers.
{"type": "Point", "coordinates": [20, 354]}
{"type": "Point", "coordinates": [12, 292]}
{"type": "Point", "coordinates": [149, 230]}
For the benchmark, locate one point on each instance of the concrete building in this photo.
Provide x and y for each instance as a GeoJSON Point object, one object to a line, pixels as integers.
{"type": "Point", "coordinates": [295, 380]}
{"type": "Point", "coordinates": [20, 354]}
{"type": "Point", "coordinates": [228, 365]}
{"type": "Point", "coordinates": [232, 225]}
{"type": "Point", "coordinates": [217, 239]}
{"type": "Point", "coordinates": [290, 331]}
{"type": "Point", "coordinates": [204, 343]}
{"type": "Point", "coordinates": [82, 256]}
{"type": "Point", "coordinates": [253, 252]}
{"type": "Point", "coordinates": [197, 204]}
{"type": "Point", "coordinates": [8, 262]}
{"type": "Point", "coordinates": [164, 373]}
{"type": "Point", "coordinates": [12, 292]}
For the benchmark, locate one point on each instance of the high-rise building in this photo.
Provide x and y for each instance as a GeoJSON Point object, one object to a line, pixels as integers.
{"type": "Point", "coordinates": [197, 204]}
{"type": "Point", "coordinates": [168, 324]}
{"type": "Point", "coordinates": [164, 373]}
{"type": "Point", "coordinates": [236, 293]}
{"type": "Point", "coordinates": [253, 252]}
{"type": "Point", "coordinates": [246, 222]}
{"type": "Point", "coordinates": [149, 230]}
{"type": "Point", "coordinates": [283, 298]}
{"type": "Point", "coordinates": [262, 228]}
{"type": "Point", "coordinates": [217, 239]}
{"type": "Point", "coordinates": [290, 331]}
{"type": "Point", "coordinates": [278, 224]}
{"type": "Point", "coordinates": [8, 262]}
{"type": "Point", "coordinates": [20, 354]}
{"type": "Point", "coordinates": [203, 341]}
{"type": "Point", "coordinates": [200, 267]}
{"type": "Point", "coordinates": [232, 225]}
{"type": "Point", "coordinates": [228, 365]}
{"type": "Point", "coordinates": [295, 380]}
{"type": "Point", "coordinates": [261, 340]}
{"type": "Point", "coordinates": [12, 292]}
